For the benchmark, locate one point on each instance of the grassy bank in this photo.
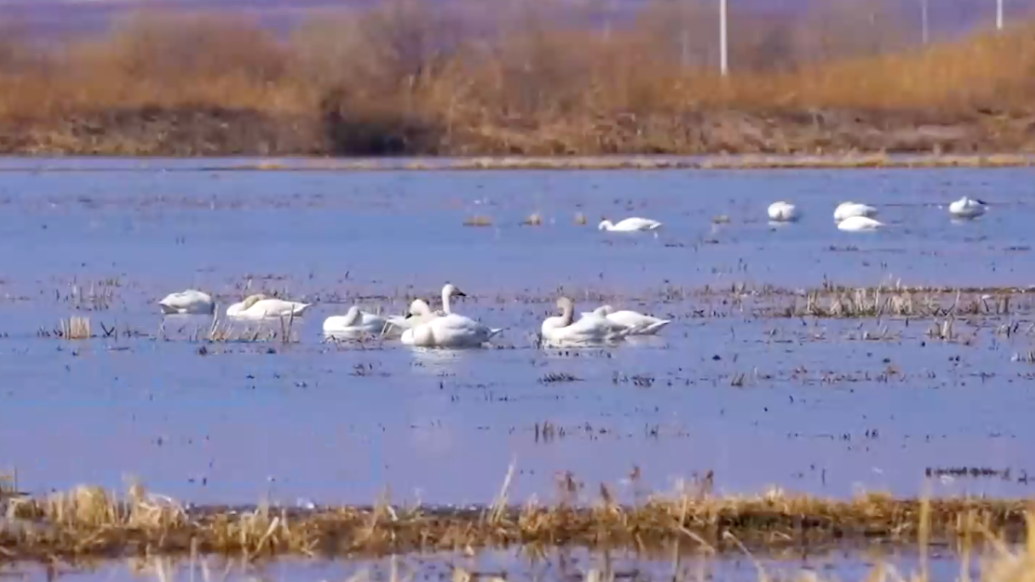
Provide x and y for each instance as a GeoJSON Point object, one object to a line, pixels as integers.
{"type": "Point", "coordinates": [89, 522]}
{"type": "Point", "coordinates": [526, 78]}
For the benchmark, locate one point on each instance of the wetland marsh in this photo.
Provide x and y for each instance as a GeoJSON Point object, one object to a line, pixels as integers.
{"type": "Point", "coordinates": [799, 357]}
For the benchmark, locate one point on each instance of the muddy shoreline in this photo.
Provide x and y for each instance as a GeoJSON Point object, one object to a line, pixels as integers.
{"type": "Point", "coordinates": [856, 138]}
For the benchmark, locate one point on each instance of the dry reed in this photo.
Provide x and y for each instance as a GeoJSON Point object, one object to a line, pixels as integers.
{"type": "Point", "coordinates": [897, 302]}
{"type": "Point", "coordinates": [480, 221]}
{"type": "Point", "coordinates": [75, 328]}
{"type": "Point", "coordinates": [89, 521]}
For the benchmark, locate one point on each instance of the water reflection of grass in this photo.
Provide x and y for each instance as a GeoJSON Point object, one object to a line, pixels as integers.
{"type": "Point", "coordinates": [91, 522]}
{"type": "Point", "coordinates": [726, 162]}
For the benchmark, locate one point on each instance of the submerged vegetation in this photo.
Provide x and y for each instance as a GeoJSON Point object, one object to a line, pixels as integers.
{"type": "Point", "coordinates": [91, 522]}
{"type": "Point", "coordinates": [526, 78]}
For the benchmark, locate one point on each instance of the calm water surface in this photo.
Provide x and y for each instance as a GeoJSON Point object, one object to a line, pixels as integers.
{"type": "Point", "coordinates": [555, 565]}
{"type": "Point", "coordinates": [337, 423]}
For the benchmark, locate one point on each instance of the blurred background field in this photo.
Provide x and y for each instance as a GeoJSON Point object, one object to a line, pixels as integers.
{"type": "Point", "coordinates": [543, 77]}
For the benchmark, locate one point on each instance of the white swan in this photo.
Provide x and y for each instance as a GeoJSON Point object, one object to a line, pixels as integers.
{"type": "Point", "coordinates": [967, 208]}
{"type": "Point", "coordinates": [859, 224]}
{"type": "Point", "coordinates": [354, 322]}
{"type": "Point", "coordinates": [448, 329]}
{"type": "Point", "coordinates": [850, 209]}
{"type": "Point", "coordinates": [259, 306]}
{"type": "Point", "coordinates": [637, 323]}
{"type": "Point", "coordinates": [564, 330]}
{"type": "Point", "coordinates": [418, 313]}
{"type": "Point", "coordinates": [783, 212]}
{"type": "Point", "coordinates": [630, 225]}
{"type": "Point", "coordinates": [190, 301]}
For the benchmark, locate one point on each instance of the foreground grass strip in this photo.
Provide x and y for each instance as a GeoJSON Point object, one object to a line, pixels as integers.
{"type": "Point", "coordinates": [90, 522]}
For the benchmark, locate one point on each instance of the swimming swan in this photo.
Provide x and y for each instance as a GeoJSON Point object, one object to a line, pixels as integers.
{"type": "Point", "coordinates": [859, 224]}
{"type": "Point", "coordinates": [638, 323]}
{"type": "Point", "coordinates": [448, 329]}
{"type": "Point", "coordinates": [590, 329]}
{"type": "Point", "coordinates": [630, 225]}
{"type": "Point", "coordinates": [190, 301]}
{"type": "Point", "coordinates": [355, 322]}
{"type": "Point", "coordinates": [850, 209]}
{"type": "Point", "coordinates": [259, 306]}
{"type": "Point", "coordinates": [783, 212]}
{"type": "Point", "coordinates": [967, 208]}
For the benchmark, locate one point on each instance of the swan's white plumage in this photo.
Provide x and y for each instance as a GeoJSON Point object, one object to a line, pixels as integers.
{"type": "Point", "coordinates": [190, 301]}
{"type": "Point", "coordinates": [590, 329]}
{"type": "Point", "coordinates": [630, 225]}
{"type": "Point", "coordinates": [859, 224]}
{"type": "Point", "coordinates": [967, 208]}
{"type": "Point", "coordinates": [637, 323]}
{"type": "Point", "coordinates": [783, 212]}
{"type": "Point", "coordinates": [418, 313]}
{"type": "Point", "coordinates": [261, 307]}
{"type": "Point", "coordinates": [355, 322]}
{"type": "Point", "coordinates": [852, 209]}
{"type": "Point", "coordinates": [447, 329]}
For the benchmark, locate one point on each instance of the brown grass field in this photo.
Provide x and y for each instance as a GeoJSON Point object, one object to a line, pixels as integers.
{"type": "Point", "coordinates": [522, 78]}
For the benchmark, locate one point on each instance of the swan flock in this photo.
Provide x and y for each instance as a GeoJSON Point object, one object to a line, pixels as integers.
{"type": "Point", "coordinates": [858, 217]}
{"type": "Point", "coordinates": [424, 327]}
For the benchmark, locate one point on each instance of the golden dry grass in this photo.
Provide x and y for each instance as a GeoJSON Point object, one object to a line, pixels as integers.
{"type": "Point", "coordinates": [75, 328]}
{"type": "Point", "coordinates": [478, 220]}
{"type": "Point", "coordinates": [522, 78]}
{"type": "Point", "coordinates": [999, 563]}
{"type": "Point", "coordinates": [90, 522]}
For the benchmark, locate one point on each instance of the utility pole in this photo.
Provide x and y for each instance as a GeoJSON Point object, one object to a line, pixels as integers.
{"type": "Point", "coordinates": [724, 63]}
{"type": "Point", "coordinates": [923, 19]}
{"type": "Point", "coordinates": [999, 14]}
{"type": "Point", "coordinates": [684, 48]}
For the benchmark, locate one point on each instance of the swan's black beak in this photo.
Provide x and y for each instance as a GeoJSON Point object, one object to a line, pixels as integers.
{"type": "Point", "coordinates": [408, 315]}
{"type": "Point", "coordinates": [461, 294]}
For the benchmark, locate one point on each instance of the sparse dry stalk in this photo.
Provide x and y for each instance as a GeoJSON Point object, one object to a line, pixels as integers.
{"type": "Point", "coordinates": [76, 328]}
{"type": "Point", "coordinates": [478, 221]}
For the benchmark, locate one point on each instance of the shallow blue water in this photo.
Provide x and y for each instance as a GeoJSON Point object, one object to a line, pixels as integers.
{"type": "Point", "coordinates": [240, 423]}
{"type": "Point", "coordinates": [566, 564]}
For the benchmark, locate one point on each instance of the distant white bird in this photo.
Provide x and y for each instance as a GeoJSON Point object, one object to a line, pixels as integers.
{"type": "Point", "coordinates": [967, 208]}
{"type": "Point", "coordinates": [190, 301]}
{"type": "Point", "coordinates": [259, 306]}
{"type": "Point", "coordinates": [783, 212]}
{"type": "Point", "coordinates": [637, 323]}
{"type": "Point", "coordinates": [630, 225]}
{"type": "Point", "coordinates": [448, 329]}
{"type": "Point", "coordinates": [591, 329]}
{"type": "Point", "coordinates": [850, 209]}
{"type": "Point", "coordinates": [354, 322]}
{"type": "Point", "coordinates": [859, 224]}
